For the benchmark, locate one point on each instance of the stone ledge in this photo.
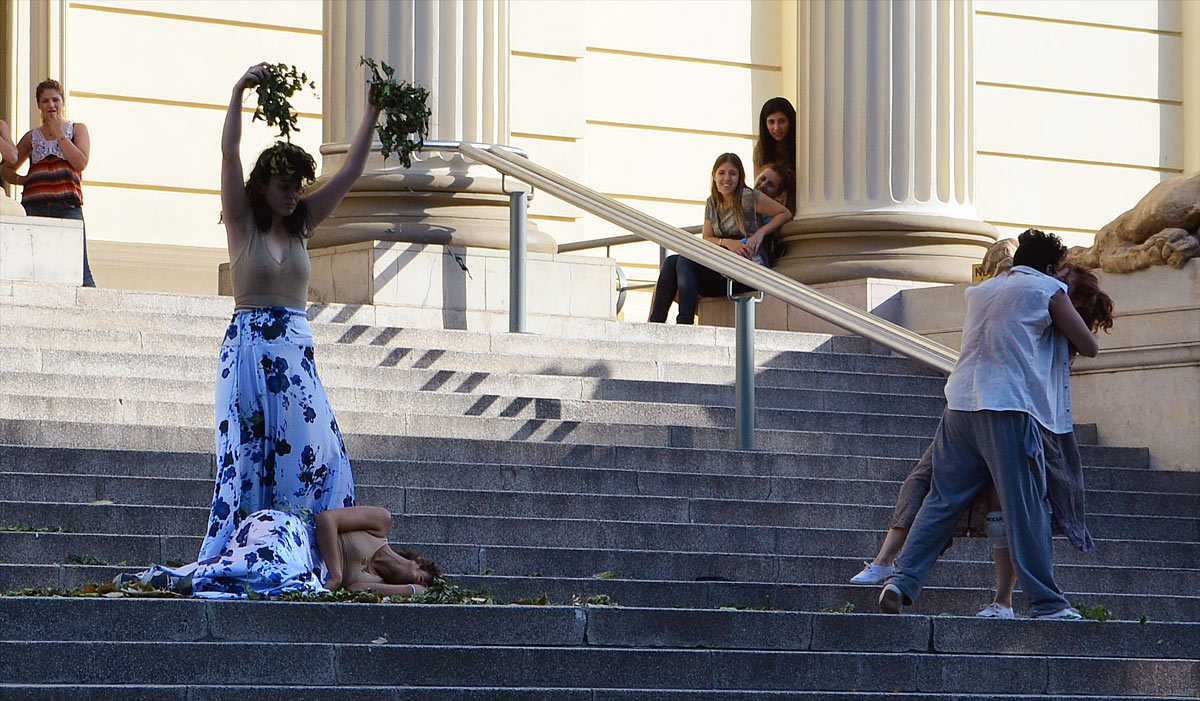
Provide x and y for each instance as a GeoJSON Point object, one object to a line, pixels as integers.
{"type": "Point", "coordinates": [41, 249]}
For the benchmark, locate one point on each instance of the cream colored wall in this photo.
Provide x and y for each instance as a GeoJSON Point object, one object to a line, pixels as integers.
{"type": "Point", "coordinates": [1078, 110]}
{"type": "Point", "coordinates": [151, 79]}
{"type": "Point", "coordinates": [1079, 107]}
{"type": "Point", "coordinates": [636, 100]}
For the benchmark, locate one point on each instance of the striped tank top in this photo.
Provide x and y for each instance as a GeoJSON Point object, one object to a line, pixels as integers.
{"type": "Point", "coordinates": [51, 178]}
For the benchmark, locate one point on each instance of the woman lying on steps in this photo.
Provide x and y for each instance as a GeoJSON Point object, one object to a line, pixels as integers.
{"type": "Point", "coordinates": [270, 553]}
{"type": "Point", "coordinates": [1064, 476]}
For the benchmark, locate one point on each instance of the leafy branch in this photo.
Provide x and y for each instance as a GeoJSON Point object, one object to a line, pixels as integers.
{"type": "Point", "coordinates": [405, 114]}
{"type": "Point", "coordinates": [282, 81]}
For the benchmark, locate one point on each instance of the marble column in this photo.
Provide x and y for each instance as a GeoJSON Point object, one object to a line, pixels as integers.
{"type": "Point", "coordinates": [885, 150]}
{"type": "Point", "coordinates": [1190, 79]}
{"type": "Point", "coordinates": [458, 50]}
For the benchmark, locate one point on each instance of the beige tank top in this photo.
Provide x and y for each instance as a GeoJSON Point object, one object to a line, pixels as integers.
{"type": "Point", "coordinates": [358, 547]}
{"type": "Point", "coordinates": [261, 281]}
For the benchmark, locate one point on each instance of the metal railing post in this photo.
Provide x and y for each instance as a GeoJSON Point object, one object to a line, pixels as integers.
{"type": "Point", "coordinates": [518, 204]}
{"type": "Point", "coordinates": [743, 387]}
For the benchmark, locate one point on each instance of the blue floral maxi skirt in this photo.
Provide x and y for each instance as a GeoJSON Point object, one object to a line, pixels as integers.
{"type": "Point", "coordinates": [271, 553]}
{"type": "Point", "coordinates": [278, 445]}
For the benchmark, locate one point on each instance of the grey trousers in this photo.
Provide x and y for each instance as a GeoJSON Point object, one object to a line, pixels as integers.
{"type": "Point", "coordinates": [967, 447]}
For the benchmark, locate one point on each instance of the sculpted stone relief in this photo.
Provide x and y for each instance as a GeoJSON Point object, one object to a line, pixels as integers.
{"type": "Point", "coordinates": [1161, 229]}
{"type": "Point", "coordinates": [998, 258]}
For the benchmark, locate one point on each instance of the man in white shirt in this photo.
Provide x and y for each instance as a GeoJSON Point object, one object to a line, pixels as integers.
{"type": "Point", "coordinates": [1010, 377]}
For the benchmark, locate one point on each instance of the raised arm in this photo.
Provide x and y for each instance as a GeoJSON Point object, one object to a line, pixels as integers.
{"type": "Point", "coordinates": [77, 150]}
{"type": "Point", "coordinates": [326, 198]}
{"type": "Point", "coordinates": [24, 148]}
{"type": "Point", "coordinates": [372, 519]}
{"type": "Point", "coordinates": [235, 206]}
{"type": "Point", "coordinates": [8, 150]}
{"type": "Point", "coordinates": [1068, 321]}
{"type": "Point", "coordinates": [779, 216]}
{"type": "Point", "coordinates": [734, 245]}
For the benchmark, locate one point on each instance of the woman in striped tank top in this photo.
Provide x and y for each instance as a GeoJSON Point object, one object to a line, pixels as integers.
{"type": "Point", "coordinates": [58, 152]}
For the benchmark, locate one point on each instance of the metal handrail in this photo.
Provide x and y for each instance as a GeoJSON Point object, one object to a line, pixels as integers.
{"type": "Point", "coordinates": [844, 316]}
{"type": "Point", "coordinates": [327, 149]}
{"type": "Point", "coordinates": [891, 336]}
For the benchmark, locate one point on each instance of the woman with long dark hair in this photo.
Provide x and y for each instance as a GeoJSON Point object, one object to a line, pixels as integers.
{"type": "Point", "coordinates": [731, 221]}
{"type": "Point", "coordinates": [777, 142]}
{"type": "Point", "coordinates": [278, 444]}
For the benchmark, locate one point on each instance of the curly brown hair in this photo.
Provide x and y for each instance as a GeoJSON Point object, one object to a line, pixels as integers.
{"type": "Point", "coordinates": [290, 162]}
{"type": "Point", "coordinates": [1089, 300]}
{"type": "Point", "coordinates": [423, 562]}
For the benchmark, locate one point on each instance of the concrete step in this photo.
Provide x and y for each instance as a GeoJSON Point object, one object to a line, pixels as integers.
{"type": "Point", "coordinates": [667, 594]}
{"type": "Point", "coordinates": [380, 412]}
{"type": "Point", "coordinates": [375, 436]}
{"type": "Point", "coordinates": [587, 667]}
{"type": "Point", "coordinates": [356, 692]}
{"type": "Point", "coordinates": [184, 620]}
{"type": "Point", "coordinates": [348, 391]}
{"type": "Point", "coordinates": [791, 370]}
{"type": "Point", "coordinates": [180, 338]}
{"type": "Point", "coordinates": [580, 381]}
{"type": "Point", "coordinates": [855, 544]}
{"type": "Point", "coordinates": [50, 305]}
{"type": "Point", "coordinates": [759, 476]}
{"type": "Point", "coordinates": [76, 488]}
{"type": "Point", "coordinates": [1101, 574]}
{"type": "Point", "coordinates": [599, 530]}
{"type": "Point", "coordinates": [529, 447]}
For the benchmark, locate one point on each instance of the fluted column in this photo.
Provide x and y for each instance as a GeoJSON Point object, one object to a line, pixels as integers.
{"type": "Point", "coordinates": [456, 49]}
{"type": "Point", "coordinates": [885, 147]}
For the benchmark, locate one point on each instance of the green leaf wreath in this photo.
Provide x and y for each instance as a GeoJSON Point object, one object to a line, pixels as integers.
{"type": "Point", "coordinates": [274, 108]}
{"type": "Point", "coordinates": [406, 116]}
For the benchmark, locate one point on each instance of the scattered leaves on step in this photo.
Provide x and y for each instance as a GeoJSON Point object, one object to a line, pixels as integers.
{"type": "Point", "coordinates": [22, 528]}
{"type": "Point", "coordinates": [606, 574]}
{"type": "Point", "coordinates": [101, 502]}
{"type": "Point", "coordinates": [844, 608]}
{"type": "Point", "coordinates": [379, 641]}
{"type": "Point", "coordinates": [1096, 613]}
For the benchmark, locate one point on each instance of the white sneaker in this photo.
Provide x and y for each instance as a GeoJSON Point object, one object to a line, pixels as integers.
{"type": "Point", "coordinates": [890, 599]}
{"type": "Point", "coordinates": [1067, 614]}
{"type": "Point", "coordinates": [994, 610]}
{"type": "Point", "coordinates": [873, 574]}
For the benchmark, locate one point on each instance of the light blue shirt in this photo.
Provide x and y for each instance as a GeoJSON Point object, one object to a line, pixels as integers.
{"type": "Point", "coordinates": [1013, 358]}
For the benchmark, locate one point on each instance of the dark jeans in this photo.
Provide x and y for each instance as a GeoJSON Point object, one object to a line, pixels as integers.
{"type": "Point", "coordinates": [682, 278]}
{"type": "Point", "coordinates": [65, 211]}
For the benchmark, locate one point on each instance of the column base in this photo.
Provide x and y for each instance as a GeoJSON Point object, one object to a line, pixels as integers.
{"type": "Point", "coordinates": [430, 282]}
{"type": "Point", "coordinates": [879, 296]}
{"type": "Point", "coordinates": [930, 248]}
{"type": "Point", "coordinates": [439, 200]}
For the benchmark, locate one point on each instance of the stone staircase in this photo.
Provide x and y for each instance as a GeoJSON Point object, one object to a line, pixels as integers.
{"type": "Point", "coordinates": [530, 464]}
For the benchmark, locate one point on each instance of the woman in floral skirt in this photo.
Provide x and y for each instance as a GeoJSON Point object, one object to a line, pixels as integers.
{"type": "Point", "coordinates": [278, 444]}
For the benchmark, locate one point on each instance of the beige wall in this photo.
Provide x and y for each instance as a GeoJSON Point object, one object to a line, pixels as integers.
{"type": "Point", "coordinates": [1078, 110]}
{"type": "Point", "coordinates": [1079, 107]}
{"type": "Point", "coordinates": [151, 79]}
{"type": "Point", "coordinates": [644, 96]}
